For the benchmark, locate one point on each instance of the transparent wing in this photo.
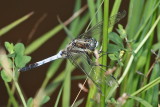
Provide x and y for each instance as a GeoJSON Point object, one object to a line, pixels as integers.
{"type": "Point", "coordinates": [97, 29]}
{"type": "Point", "coordinates": [88, 67]}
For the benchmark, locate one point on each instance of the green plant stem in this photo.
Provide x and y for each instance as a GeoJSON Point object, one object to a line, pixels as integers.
{"type": "Point", "coordinates": [20, 93]}
{"type": "Point", "coordinates": [45, 82]}
{"type": "Point", "coordinates": [12, 98]}
{"type": "Point", "coordinates": [132, 56]}
{"type": "Point", "coordinates": [104, 48]}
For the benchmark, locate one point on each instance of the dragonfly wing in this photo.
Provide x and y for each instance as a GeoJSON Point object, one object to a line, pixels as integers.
{"type": "Point", "coordinates": [107, 79]}
{"type": "Point", "coordinates": [88, 67]}
{"type": "Point", "coordinates": [116, 18]}
{"type": "Point", "coordinates": [80, 61]}
{"type": "Point", "coordinates": [97, 29]}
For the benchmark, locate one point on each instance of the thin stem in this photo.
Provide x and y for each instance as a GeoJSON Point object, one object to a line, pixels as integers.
{"type": "Point", "coordinates": [12, 98]}
{"type": "Point", "coordinates": [104, 48]}
{"type": "Point", "coordinates": [18, 88]}
{"type": "Point", "coordinates": [79, 92]}
{"type": "Point", "coordinates": [20, 93]}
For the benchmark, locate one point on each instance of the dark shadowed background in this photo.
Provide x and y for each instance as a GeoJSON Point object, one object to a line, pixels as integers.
{"type": "Point", "coordinates": [12, 10]}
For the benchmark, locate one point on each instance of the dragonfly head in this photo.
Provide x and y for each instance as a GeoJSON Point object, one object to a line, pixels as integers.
{"type": "Point", "coordinates": [93, 44]}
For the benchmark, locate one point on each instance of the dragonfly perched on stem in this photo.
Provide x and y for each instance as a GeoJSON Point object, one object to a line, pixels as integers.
{"type": "Point", "coordinates": [82, 48]}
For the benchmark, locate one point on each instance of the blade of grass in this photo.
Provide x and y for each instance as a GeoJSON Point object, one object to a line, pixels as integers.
{"type": "Point", "coordinates": [158, 26]}
{"type": "Point", "coordinates": [74, 24]}
{"type": "Point", "coordinates": [142, 101]}
{"type": "Point", "coordinates": [100, 13]}
{"type": "Point", "coordinates": [147, 87]}
{"type": "Point", "coordinates": [57, 101]}
{"type": "Point", "coordinates": [115, 9]}
{"type": "Point", "coordinates": [67, 85]}
{"type": "Point", "coordinates": [58, 80]}
{"type": "Point", "coordinates": [92, 8]}
{"type": "Point", "coordinates": [134, 17]}
{"type": "Point", "coordinates": [7, 28]}
{"type": "Point", "coordinates": [51, 87]}
{"type": "Point", "coordinates": [146, 19]}
{"type": "Point", "coordinates": [66, 80]}
{"type": "Point", "coordinates": [147, 59]}
{"type": "Point", "coordinates": [148, 34]}
{"type": "Point", "coordinates": [152, 94]}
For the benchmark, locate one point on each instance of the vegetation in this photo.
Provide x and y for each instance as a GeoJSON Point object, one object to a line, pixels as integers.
{"type": "Point", "coordinates": [134, 58]}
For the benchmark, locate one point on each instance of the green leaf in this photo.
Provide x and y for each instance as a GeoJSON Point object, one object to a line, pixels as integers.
{"type": "Point", "coordinates": [5, 77]}
{"type": "Point", "coordinates": [45, 100]}
{"type": "Point", "coordinates": [112, 48]}
{"type": "Point", "coordinates": [9, 47]}
{"type": "Point", "coordinates": [121, 31]}
{"type": "Point", "coordinates": [116, 39]}
{"type": "Point", "coordinates": [21, 60]}
{"type": "Point", "coordinates": [142, 101]}
{"type": "Point", "coordinates": [30, 102]}
{"type": "Point", "coordinates": [19, 48]}
{"type": "Point", "coordinates": [156, 46]}
{"type": "Point", "coordinates": [120, 63]}
{"type": "Point", "coordinates": [11, 55]}
{"type": "Point", "coordinates": [112, 57]}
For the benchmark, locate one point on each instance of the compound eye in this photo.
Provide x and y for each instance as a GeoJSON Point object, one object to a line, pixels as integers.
{"type": "Point", "coordinates": [92, 46]}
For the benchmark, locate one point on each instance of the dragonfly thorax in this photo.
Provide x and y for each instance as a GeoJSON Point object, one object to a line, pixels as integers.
{"type": "Point", "coordinates": [86, 44]}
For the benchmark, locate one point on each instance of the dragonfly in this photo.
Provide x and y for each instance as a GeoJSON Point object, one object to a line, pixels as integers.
{"type": "Point", "coordinates": [83, 47]}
